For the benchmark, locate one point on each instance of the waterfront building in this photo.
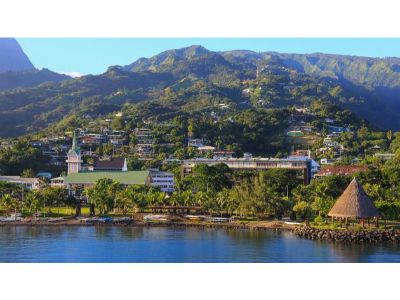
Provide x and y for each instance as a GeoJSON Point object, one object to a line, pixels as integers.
{"type": "Point", "coordinates": [254, 163]}
{"type": "Point", "coordinates": [28, 183]}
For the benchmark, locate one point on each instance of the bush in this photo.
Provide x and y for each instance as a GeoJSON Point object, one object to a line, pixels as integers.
{"type": "Point", "coordinates": [318, 220]}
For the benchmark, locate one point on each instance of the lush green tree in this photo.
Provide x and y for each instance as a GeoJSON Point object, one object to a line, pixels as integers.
{"type": "Point", "coordinates": [34, 202]}
{"type": "Point", "coordinates": [102, 194]}
{"type": "Point", "coordinates": [28, 173]}
{"type": "Point", "coordinates": [124, 200]}
{"type": "Point", "coordinates": [11, 203]}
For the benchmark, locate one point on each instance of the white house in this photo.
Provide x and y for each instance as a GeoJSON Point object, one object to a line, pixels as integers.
{"type": "Point", "coordinates": [28, 183]}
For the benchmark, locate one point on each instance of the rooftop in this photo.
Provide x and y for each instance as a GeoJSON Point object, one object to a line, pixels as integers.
{"type": "Point", "coordinates": [130, 177]}
{"type": "Point", "coordinates": [354, 203]}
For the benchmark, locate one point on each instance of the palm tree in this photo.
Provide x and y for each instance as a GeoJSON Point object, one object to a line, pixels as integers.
{"type": "Point", "coordinates": [187, 198]}
{"type": "Point", "coordinates": [11, 203]}
{"type": "Point", "coordinates": [124, 201]}
{"type": "Point", "coordinates": [222, 200]}
{"type": "Point", "coordinates": [34, 202]}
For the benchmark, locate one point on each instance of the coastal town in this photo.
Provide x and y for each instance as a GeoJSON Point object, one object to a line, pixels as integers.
{"type": "Point", "coordinates": [90, 161]}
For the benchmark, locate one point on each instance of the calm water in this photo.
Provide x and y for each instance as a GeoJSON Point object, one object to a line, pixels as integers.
{"type": "Point", "coordinates": [159, 244]}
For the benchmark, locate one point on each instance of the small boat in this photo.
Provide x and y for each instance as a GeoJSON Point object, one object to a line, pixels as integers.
{"type": "Point", "coordinates": [155, 218]}
{"type": "Point", "coordinates": [217, 219]}
{"type": "Point", "coordinates": [292, 223]}
{"type": "Point", "coordinates": [99, 220]}
{"type": "Point", "coordinates": [195, 217]}
{"type": "Point", "coordinates": [54, 220]}
{"type": "Point", "coordinates": [122, 220]}
{"type": "Point", "coordinates": [10, 219]}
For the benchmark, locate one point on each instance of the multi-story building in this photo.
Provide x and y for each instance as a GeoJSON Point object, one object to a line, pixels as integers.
{"type": "Point", "coordinates": [162, 180]}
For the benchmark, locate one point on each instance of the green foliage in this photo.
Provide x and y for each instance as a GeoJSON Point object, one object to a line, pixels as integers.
{"type": "Point", "coordinates": [102, 194]}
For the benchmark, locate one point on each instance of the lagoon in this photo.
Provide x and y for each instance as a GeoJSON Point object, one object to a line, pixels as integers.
{"type": "Point", "coordinates": [103, 244]}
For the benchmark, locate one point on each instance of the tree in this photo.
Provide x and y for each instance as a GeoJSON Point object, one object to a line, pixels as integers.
{"type": "Point", "coordinates": [28, 173]}
{"type": "Point", "coordinates": [124, 200]}
{"type": "Point", "coordinates": [34, 202]}
{"type": "Point", "coordinates": [102, 194]}
{"type": "Point", "coordinates": [52, 196]}
{"type": "Point", "coordinates": [302, 209]}
{"type": "Point", "coordinates": [11, 203]}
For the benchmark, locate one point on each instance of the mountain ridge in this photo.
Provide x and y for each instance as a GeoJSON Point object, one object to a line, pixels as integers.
{"type": "Point", "coordinates": [194, 79]}
{"type": "Point", "coordinates": [12, 57]}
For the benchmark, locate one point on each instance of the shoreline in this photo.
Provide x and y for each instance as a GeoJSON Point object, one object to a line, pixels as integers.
{"type": "Point", "coordinates": [258, 226]}
{"type": "Point", "coordinates": [298, 230]}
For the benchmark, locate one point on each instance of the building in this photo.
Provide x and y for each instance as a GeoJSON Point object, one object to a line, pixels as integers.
{"type": "Point", "coordinates": [315, 167]}
{"type": "Point", "coordinates": [74, 160]}
{"type": "Point", "coordinates": [301, 152]}
{"type": "Point", "coordinates": [259, 163]}
{"type": "Point", "coordinates": [162, 180]}
{"type": "Point", "coordinates": [206, 148]}
{"type": "Point", "coordinates": [223, 154]}
{"type": "Point", "coordinates": [328, 161]}
{"type": "Point", "coordinates": [76, 182]}
{"type": "Point", "coordinates": [113, 168]}
{"type": "Point", "coordinates": [57, 182]}
{"type": "Point", "coordinates": [384, 156]}
{"type": "Point", "coordinates": [195, 143]}
{"type": "Point", "coordinates": [46, 175]}
{"type": "Point", "coordinates": [247, 155]}
{"type": "Point", "coordinates": [28, 183]}
{"type": "Point", "coordinates": [340, 170]}
{"type": "Point", "coordinates": [111, 164]}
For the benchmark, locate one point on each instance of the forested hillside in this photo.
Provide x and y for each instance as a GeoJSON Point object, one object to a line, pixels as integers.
{"type": "Point", "coordinates": [193, 80]}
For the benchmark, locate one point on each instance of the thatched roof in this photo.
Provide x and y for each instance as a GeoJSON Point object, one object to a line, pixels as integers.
{"type": "Point", "coordinates": [354, 203]}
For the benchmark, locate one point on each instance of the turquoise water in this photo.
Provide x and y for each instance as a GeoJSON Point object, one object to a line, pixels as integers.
{"type": "Point", "coordinates": [161, 244]}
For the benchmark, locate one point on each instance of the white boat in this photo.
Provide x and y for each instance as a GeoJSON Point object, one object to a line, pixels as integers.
{"type": "Point", "coordinates": [55, 219]}
{"type": "Point", "coordinates": [218, 219]}
{"type": "Point", "coordinates": [10, 219]}
{"type": "Point", "coordinates": [149, 218]}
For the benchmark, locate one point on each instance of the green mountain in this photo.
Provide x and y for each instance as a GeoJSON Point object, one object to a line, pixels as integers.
{"type": "Point", "coordinates": [195, 80]}
{"type": "Point", "coordinates": [29, 78]}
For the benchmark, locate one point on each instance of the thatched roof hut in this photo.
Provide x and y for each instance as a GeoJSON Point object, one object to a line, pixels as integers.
{"type": "Point", "coordinates": [354, 203]}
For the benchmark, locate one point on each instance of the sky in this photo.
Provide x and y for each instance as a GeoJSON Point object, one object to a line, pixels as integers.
{"type": "Point", "coordinates": [81, 56]}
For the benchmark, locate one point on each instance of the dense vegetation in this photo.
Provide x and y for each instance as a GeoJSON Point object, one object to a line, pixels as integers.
{"type": "Point", "coordinates": [268, 194]}
{"type": "Point", "coordinates": [194, 79]}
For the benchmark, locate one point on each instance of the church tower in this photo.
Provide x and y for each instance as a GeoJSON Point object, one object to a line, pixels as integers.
{"type": "Point", "coordinates": [74, 160]}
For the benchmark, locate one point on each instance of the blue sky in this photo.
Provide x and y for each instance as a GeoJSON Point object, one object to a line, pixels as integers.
{"type": "Point", "coordinates": [94, 55]}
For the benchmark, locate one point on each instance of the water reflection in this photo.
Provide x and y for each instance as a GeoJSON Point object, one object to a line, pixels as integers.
{"type": "Point", "coordinates": [161, 244]}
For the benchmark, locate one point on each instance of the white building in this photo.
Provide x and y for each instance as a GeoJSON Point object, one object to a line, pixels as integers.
{"type": "Point", "coordinates": [162, 180]}
{"type": "Point", "coordinates": [57, 182]}
{"type": "Point", "coordinates": [196, 143]}
{"type": "Point", "coordinates": [74, 160]}
{"type": "Point", "coordinates": [28, 183]}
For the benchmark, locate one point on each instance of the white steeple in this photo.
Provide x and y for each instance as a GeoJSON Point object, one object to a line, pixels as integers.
{"type": "Point", "coordinates": [74, 160]}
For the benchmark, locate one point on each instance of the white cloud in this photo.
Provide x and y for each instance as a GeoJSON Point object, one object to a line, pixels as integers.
{"type": "Point", "coordinates": [73, 74]}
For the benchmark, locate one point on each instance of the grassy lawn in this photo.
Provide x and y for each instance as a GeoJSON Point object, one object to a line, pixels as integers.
{"type": "Point", "coordinates": [308, 140]}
